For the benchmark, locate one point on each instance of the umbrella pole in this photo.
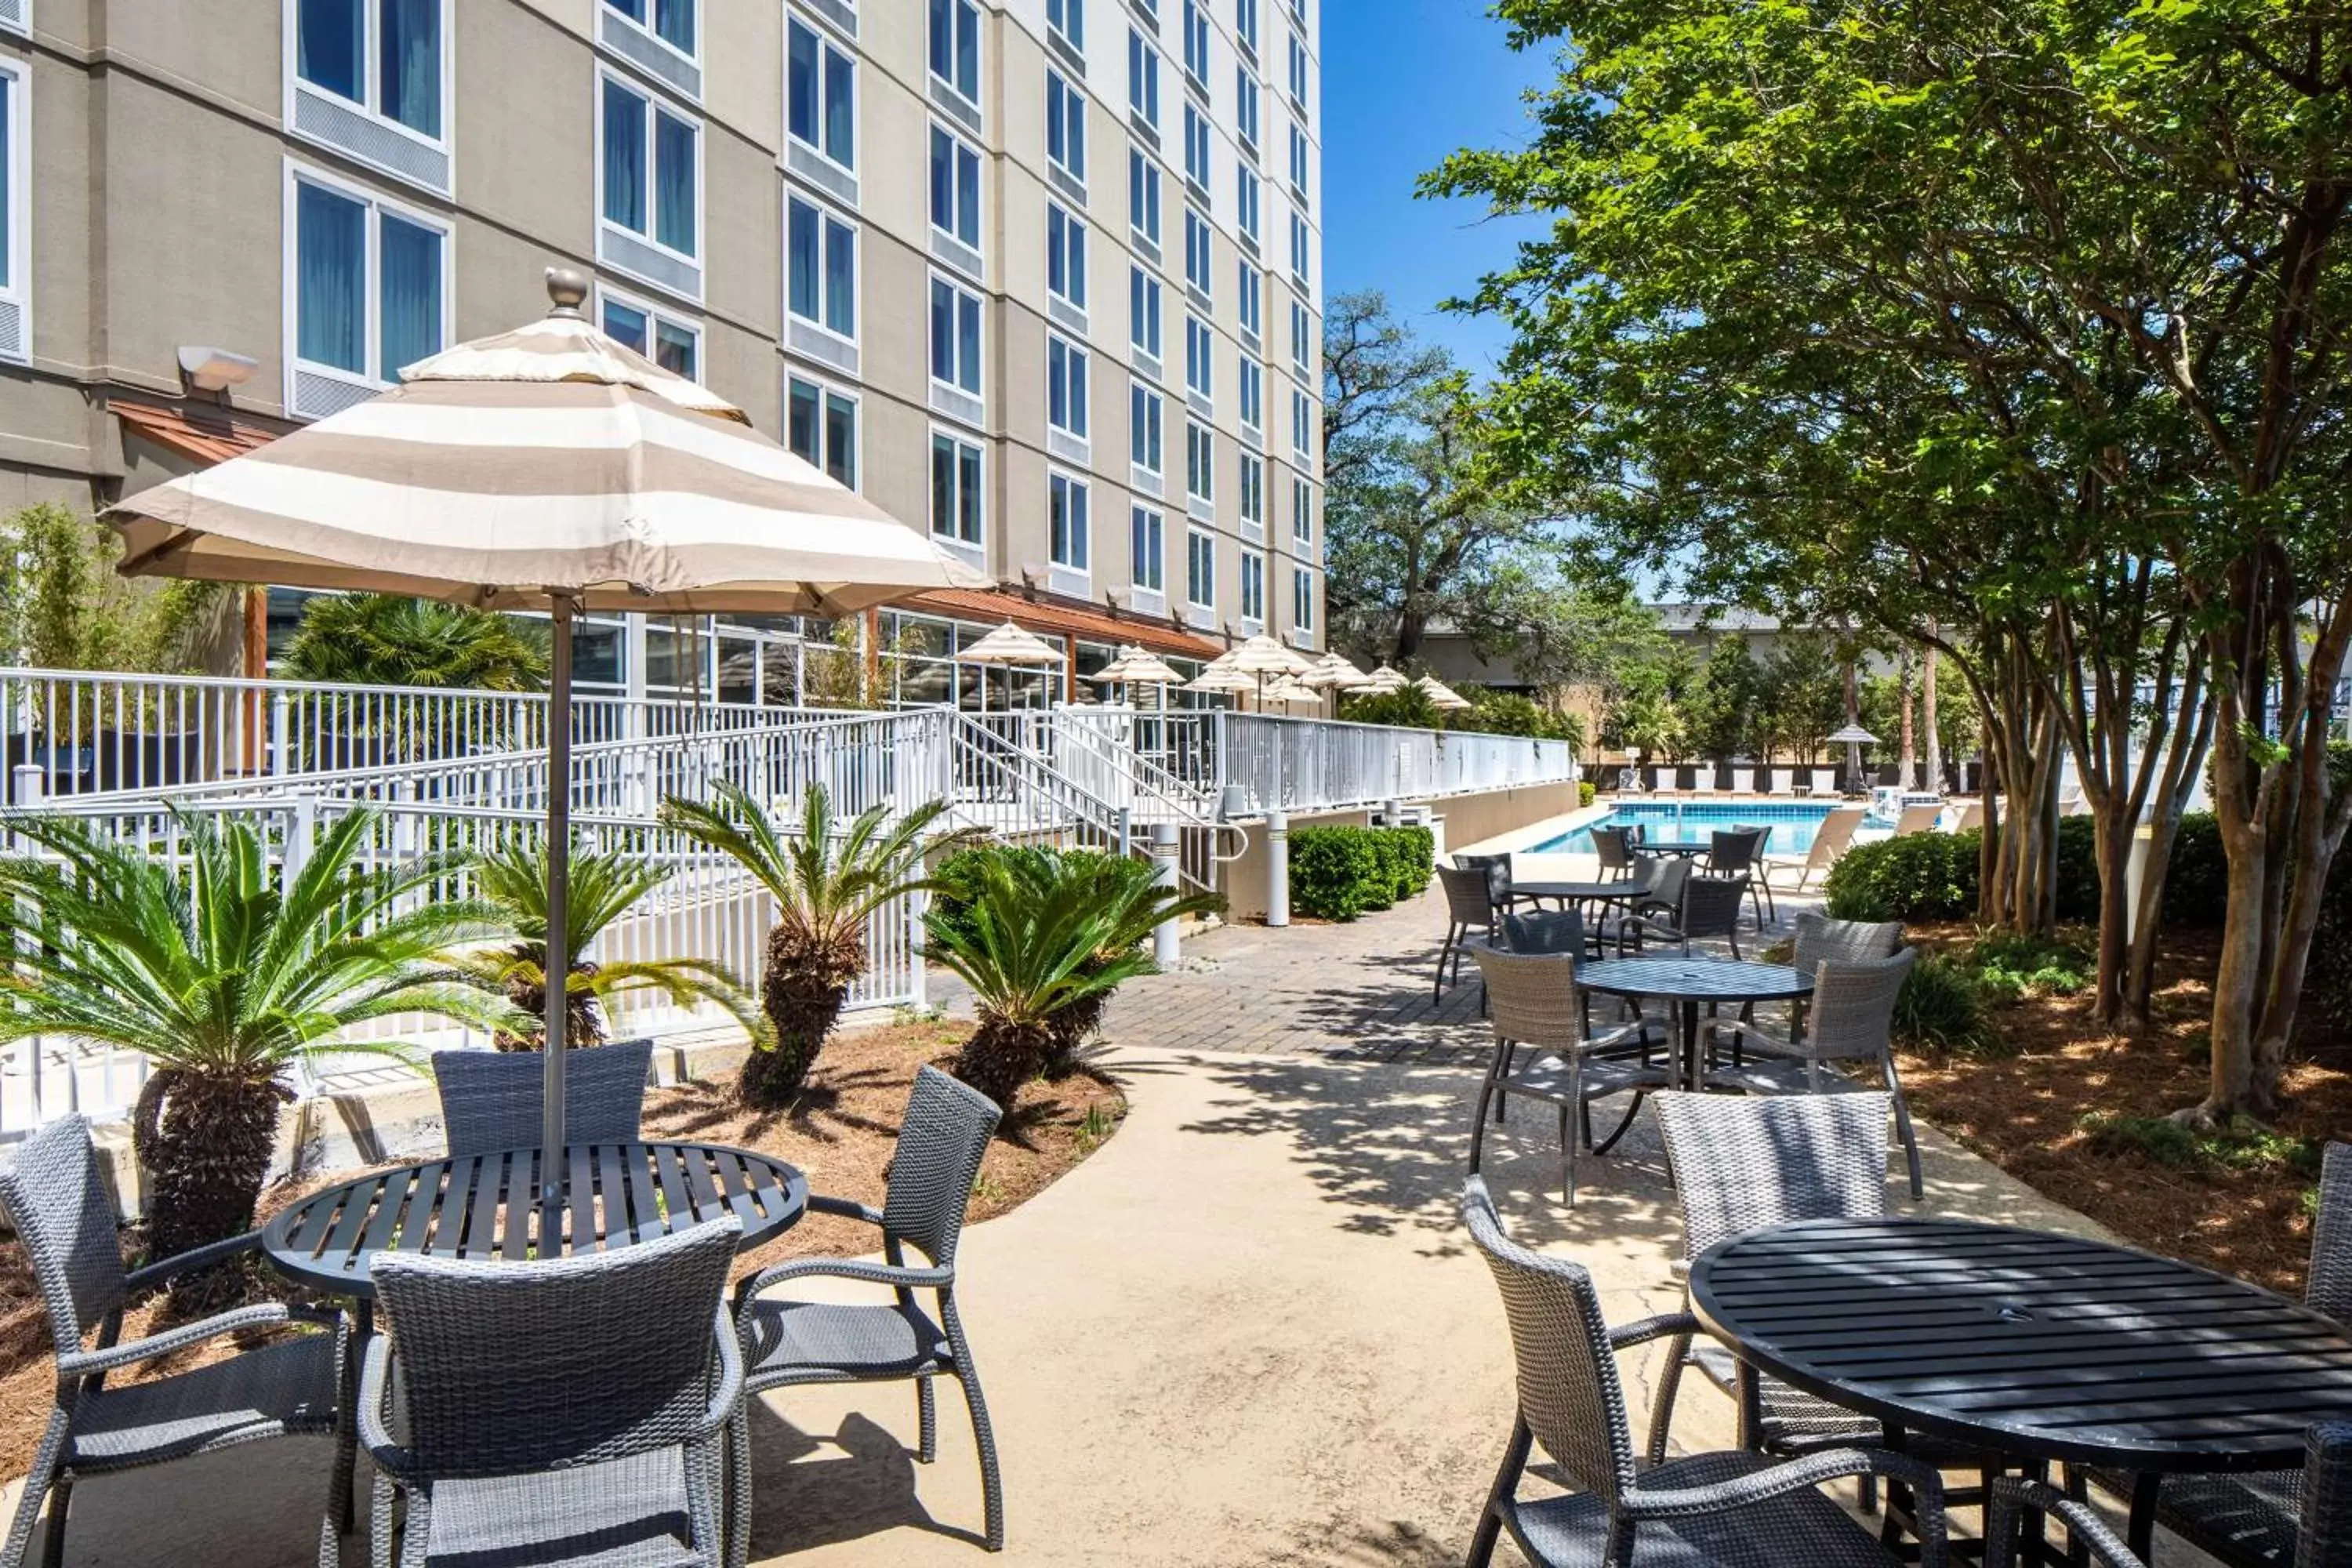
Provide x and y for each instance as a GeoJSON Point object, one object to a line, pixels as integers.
{"type": "Point", "coordinates": [558, 874]}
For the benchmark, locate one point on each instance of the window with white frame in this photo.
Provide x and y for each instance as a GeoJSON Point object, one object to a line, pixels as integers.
{"type": "Point", "coordinates": [1253, 385]}
{"type": "Point", "coordinates": [387, 60]}
{"type": "Point", "coordinates": [1298, 160]}
{"type": "Point", "coordinates": [955, 188]}
{"type": "Point", "coordinates": [1252, 586]}
{"type": "Point", "coordinates": [1302, 339]}
{"type": "Point", "coordinates": [820, 267]}
{"type": "Point", "coordinates": [1143, 79]}
{"type": "Point", "coordinates": [1299, 258]}
{"type": "Point", "coordinates": [821, 427]}
{"type": "Point", "coordinates": [1200, 462]}
{"type": "Point", "coordinates": [955, 335]}
{"type": "Point", "coordinates": [820, 93]}
{"type": "Point", "coordinates": [670, 342]}
{"type": "Point", "coordinates": [1302, 599]}
{"type": "Point", "coordinates": [1143, 311]}
{"type": "Point", "coordinates": [1199, 345]}
{"type": "Point", "coordinates": [1246, 208]}
{"type": "Point", "coordinates": [1196, 42]}
{"type": "Point", "coordinates": [956, 489]}
{"type": "Point", "coordinates": [1196, 146]}
{"type": "Point", "coordinates": [652, 161]}
{"type": "Point", "coordinates": [671, 21]}
{"type": "Point", "coordinates": [1069, 17]}
{"type": "Point", "coordinates": [1065, 256]}
{"type": "Point", "coordinates": [1245, 21]}
{"type": "Point", "coordinates": [15, 211]}
{"type": "Point", "coordinates": [1302, 428]}
{"type": "Point", "coordinates": [1246, 102]}
{"type": "Point", "coordinates": [1065, 387]}
{"type": "Point", "coordinates": [1143, 195]}
{"type": "Point", "coordinates": [955, 46]}
{"type": "Point", "coordinates": [1147, 418]}
{"type": "Point", "coordinates": [1197, 251]}
{"type": "Point", "coordinates": [1297, 71]}
{"type": "Point", "coordinates": [1067, 503]}
{"type": "Point", "coordinates": [1065, 126]}
{"type": "Point", "coordinates": [1200, 570]}
{"type": "Point", "coordinates": [1302, 517]}
{"type": "Point", "coordinates": [368, 284]}
{"type": "Point", "coordinates": [1252, 488]}
{"type": "Point", "coordinates": [1147, 545]}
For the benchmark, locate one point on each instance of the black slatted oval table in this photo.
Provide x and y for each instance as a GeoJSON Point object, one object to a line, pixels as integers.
{"type": "Point", "coordinates": [2035, 1346]}
{"type": "Point", "coordinates": [1684, 984]}
{"type": "Point", "coordinates": [485, 1206]}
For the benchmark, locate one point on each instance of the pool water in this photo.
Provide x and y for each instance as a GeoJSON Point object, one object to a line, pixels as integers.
{"type": "Point", "coordinates": [1792, 823]}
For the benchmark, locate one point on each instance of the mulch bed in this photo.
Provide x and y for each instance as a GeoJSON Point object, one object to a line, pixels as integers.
{"type": "Point", "coordinates": [841, 1132]}
{"type": "Point", "coordinates": [2025, 1113]}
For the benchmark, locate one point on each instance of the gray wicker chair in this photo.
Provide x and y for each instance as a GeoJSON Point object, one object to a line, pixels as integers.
{"type": "Point", "coordinates": [1704, 909]}
{"type": "Point", "coordinates": [2315, 1533]}
{"type": "Point", "coordinates": [1820, 939]}
{"type": "Point", "coordinates": [1469, 911]}
{"type": "Point", "coordinates": [1545, 930]}
{"type": "Point", "coordinates": [1536, 1004]}
{"type": "Point", "coordinates": [56, 1196]}
{"type": "Point", "coordinates": [1614, 848]}
{"type": "Point", "coordinates": [1739, 851]}
{"type": "Point", "coordinates": [490, 1100]}
{"type": "Point", "coordinates": [1739, 1509]}
{"type": "Point", "coordinates": [1851, 1017]}
{"type": "Point", "coordinates": [945, 1133]}
{"type": "Point", "coordinates": [572, 1411]}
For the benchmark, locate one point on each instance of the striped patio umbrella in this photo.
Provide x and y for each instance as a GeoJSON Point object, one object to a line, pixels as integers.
{"type": "Point", "coordinates": [1443, 695]}
{"type": "Point", "coordinates": [1385, 679]}
{"type": "Point", "coordinates": [552, 469]}
{"type": "Point", "coordinates": [1008, 645]}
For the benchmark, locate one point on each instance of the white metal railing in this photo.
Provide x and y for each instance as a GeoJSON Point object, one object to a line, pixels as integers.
{"type": "Point", "coordinates": [1314, 764]}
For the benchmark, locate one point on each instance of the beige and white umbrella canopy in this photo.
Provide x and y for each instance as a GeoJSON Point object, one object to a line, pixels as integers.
{"type": "Point", "coordinates": [1227, 680]}
{"type": "Point", "coordinates": [1008, 645]}
{"type": "Point", "coordinates": [1261, 655]}
{"type": "Point", "coordinates": [1289, 689]}
{"type": "Point", "coordinates": [1137, 666]}
{"type": "Point", "coordinates": [1333, 672]}
{"type": "Point", "coordinates": [1384, 679]}
{"type": "Point", "coordinates": [1444, 696]}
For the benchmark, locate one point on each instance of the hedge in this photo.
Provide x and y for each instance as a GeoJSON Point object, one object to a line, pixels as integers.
{"type": "Point", "coordinates": [1337, 873]}
{"type": "Point", "coordinates": [1933, 876]}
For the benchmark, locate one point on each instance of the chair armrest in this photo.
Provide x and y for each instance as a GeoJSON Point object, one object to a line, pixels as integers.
{"type": "Point", "coordinates": [2011, 1495]}
{"type": "Point", "coordinates": [728, 1397]}
{"type": "Point", "coordinates": [1642, 1332]}
{"type": "Point", "coordinates": [154, 1274]}
{"type": "Point", "coordinates": [1722, 1024]}
{"type": "Point", "coordinates": [1802, 1474]}
{"type": "Point", "coordinates": [261, 1315]}
{"type": "Point", "coordinates": [932, 1279]}
{"type": "Point", "coordinates": [845, 1208]}
{"type": "Point", "coordinates": [375, 1389]}
{"type": "Point", "coordinates": [1618, 1036]}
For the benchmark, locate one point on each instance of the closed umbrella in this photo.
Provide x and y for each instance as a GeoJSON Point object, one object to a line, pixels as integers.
{"type": "Point", "coordinates": [1444, 696]}
{"type": "Point", "coordinates": [547, 468]}
{"type": "Point", "coordinates": [1008, 645]}
{"type": "Point", "coordinates": [1854, 738]}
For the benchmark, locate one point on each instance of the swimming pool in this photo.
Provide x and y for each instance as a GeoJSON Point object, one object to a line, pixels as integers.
{"type": "Point", "coordinates": [1793, 824]}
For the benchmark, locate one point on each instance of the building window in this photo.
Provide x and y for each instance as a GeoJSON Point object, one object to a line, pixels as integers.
{"type": "Point", "coordinates": [384, 56]}
{"type": "Point", "coordinates": [1147, 540]}
{"type": "Point", "coordinates": [652, 161]}
{"type": "Point", "coordinates": [1297, 71]}
{"type": "Point", "coordinates": [671, 21]}
{"type": "Point", "coordinates": [1252, 295]}
{"type": "Point", "coordinates": [955, 46]}
{"type": "Point", "coordinates": [1196, 250]}
{"type": "Point", "coordinates": [955, 488]}
{"type": "Point", "coordinates": [673, 344]}
{"type": "Point", "coordinates": [1069, 17]}
{"type": "Point", "coordinates": [821, 93]}
{"type": "Point", "coordinates": [1246, 22]}
{"type": "Point", "coordinates": [1196, 146]}
{"type": "Point", "coordinates": [1200, 570]}
{"type": "Point", "coordinates": [1246, 212]}
{"type": "Point", "coordinates": [1200, 462]}
{"type": "Point", "coordinates": [1252, 586]}
{"type": "Point", "coordinates": [1302, 428]}
{"type": "Point", "coordinates": [1143, 195]}
{"type": "Point", "coordinates": [1199, 364]}
{"type": "Point", "coordinates": [370, 282]}
{"type": "Point", "coordinates": [1065, 126]}
{"type": "Point", "coordinates": [1302, 340]}
{"type": "Point", "coordinates": [1298, 251]}
{"type": "Point", "coordinates": [1253, 496]}
{"type": "Point", "coordinates": [821, 427]}
{"type": "Point", "coordinates": [1302, 517]}
{"type": "Point", "coordinates": [16, 212]}
{"type": "Point", "coordinates": [1253, 385]}
{"type": "Point", "coordinates": [1299, 161]}
{"type": "Point", "coordinates": [1065, 387]}
{"type": "Point", "coordinates": [820, 267]}
{"type": "Point", "coordinates": [955, 188]}
{"type": "Point", "coordinates": [1245, 91]}
{"type": "Point", "coordinates": [1065, 256]}
{"type": "Point", "coordinates": [955, 336]}
{"type": "Point", "coordinates": [1143, 311]}
{"type": "Point", "coordinates": [1067, 503]}
{"type": "Point", "coordinates": [1196, 43]}
{"type": "Point", "coordinates": [1147, 414]}
{"type": "Point", "coordinates": [1302, 599]}
{"type": "Point", "coordinates": [1142, 79]}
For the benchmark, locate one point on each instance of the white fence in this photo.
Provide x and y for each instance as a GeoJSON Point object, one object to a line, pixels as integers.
{"type": "Point", "coordinates": [1247, 763]}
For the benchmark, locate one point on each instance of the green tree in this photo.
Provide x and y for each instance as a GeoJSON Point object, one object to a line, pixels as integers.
{"type": "Point", "coordinates": [391, 639]}
{"type": "Point", "coordinates": [1726, 701]}
{"type": "Point", "coordinates": [63, 607]}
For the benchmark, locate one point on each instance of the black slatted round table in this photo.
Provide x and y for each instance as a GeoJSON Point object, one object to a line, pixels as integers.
{"type": "Point", "coordinates": [2034, 1346]}
{"type": "Point", "coordinates": [1685, 983]}
{"type": "Point", "coordinates": [485, 1206]}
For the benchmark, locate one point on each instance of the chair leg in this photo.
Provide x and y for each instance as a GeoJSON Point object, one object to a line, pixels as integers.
{"type": "Point", "coordinates": [926, 1419]}
{"type": "Point", "coordinates": [53, 1549]}
{"type": "Point", "coordinates": [1611, 1141]}
{"type": "Point", "coordinates": [1903, 1128]}
{"type": "Point", "coordinates": [1510, 1055]}
{"type": "Point", "coordinates": [991, 1480]}
{"type": "Point", "coordinates": [1499, 1497]}
{"type": "Point", "coordinates": [37, 1482]}
{"type": "Point", "coordinates": [1437, 990]}
{"type": "Point", "coordinates": [739, 1495]}
{"type": "Point", "coordinates": [1478, 1120]}
{"type": "Point", "coordinates": [1662, 1403]}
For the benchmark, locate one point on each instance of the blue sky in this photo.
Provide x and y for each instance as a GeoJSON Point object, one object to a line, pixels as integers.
{"type": "Point", "coordinates": [1405, 83]}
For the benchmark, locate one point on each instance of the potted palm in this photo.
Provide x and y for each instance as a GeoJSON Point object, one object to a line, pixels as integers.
{"type": "Point", "coordinates": [827, 882]}
{"type": "Point", "coordinates": [223, 973]}
{"type": "Point", "coordinates": [1042, 939]}
{"type": "Point", "coordinates": [601, 888]}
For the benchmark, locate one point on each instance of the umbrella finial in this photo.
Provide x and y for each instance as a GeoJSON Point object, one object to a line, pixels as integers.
{"type": "Point", "coordinates": [568, 288]}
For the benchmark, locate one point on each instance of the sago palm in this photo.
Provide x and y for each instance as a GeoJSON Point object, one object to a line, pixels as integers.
{"type": "Point", "coordinates": [224, 974]}
{"type": "Point", "coordinates": [827, 882]}
{"type": "Point", "coordinates": [598, 890]}
{"type": "Point", "coordinates": [1040, 938]}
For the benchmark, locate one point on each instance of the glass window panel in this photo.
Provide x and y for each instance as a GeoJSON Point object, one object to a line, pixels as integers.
{"type": "Point", "coordinates": [674, 163]}
{"type": "Point", "coordinates": [330, 278]}
{"type": "Point", "coordinates": [804, 276]}
{"type": "Point", "coordinates": [841, 439]}
{"type": "Point", "coordinates": [801, 103]}
{"type": "Point", "coordinates": [967, 497]}
{"type": "Point", "coordinates": [625, 325]}
{"type": "Point", "coordinates": [942, 486]}
{"type": "Point", "coordinates": [840, 108]}
{"type": "Point", "coordinates": [409, 312]}
{"type": "Point", "coordinates": [624, 157]}
{"type": "Point", "coordinates": [674, 349]}
{"type": "Point", "coordinates": [329, 46]}
{"type": "Point", "coordinates": [408, 63]}
{"type": "Point", "coordinates": [801, 421]}
{"type": "Point", "coordinates": [674, 20]}
{"type": "Point", "coordinates": [942, 331]}
{"type": "Point", "coordinates": [943, 180]}
{"type": "Point", "coordinates": [841, 277]}
{"type": "Point", "coordinates": [966, 196]}
{"type": "Point", "coordinates": [7, 180]}
{"type": "Point", "coordinates": [968, 343]}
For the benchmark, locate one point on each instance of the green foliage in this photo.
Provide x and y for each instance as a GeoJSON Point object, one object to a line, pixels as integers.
{"type": "Point", "coordinates": [2012, 964]}
{"type": "Point", "coordinates": [1407, 707]}
{"type": "Point", "coordinates": [2243, 1144]}
{"type": "Point", "coordinates": [1915, 877]}
{"type": "Point", "coordinates": [391, 639]}
{"type": "Point", "coordinates": [1495, 712]}
{"type": "Point", "coordinates": [1586, 792]}
{"type": "Point", "coordinates": [63, 607]}
{"type": "Point", "coordinates": [1334, 871]}
{"type": "Point", "coordinates": [1945, 1009]}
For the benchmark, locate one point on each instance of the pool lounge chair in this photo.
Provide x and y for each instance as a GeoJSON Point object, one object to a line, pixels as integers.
{"type": "Point", "coordinates": [1825, 780]}
{"type": "Point", "coordinates": [1919, 819]}
{"type": "Point", "coordinates": [1784, 781]}
{"type": "Point", "coordinates": [1830, 841]}
{"type": "Point", "coordinates": [1743, 781]}
{"type": "Point", "coordinates": [1971, 816]}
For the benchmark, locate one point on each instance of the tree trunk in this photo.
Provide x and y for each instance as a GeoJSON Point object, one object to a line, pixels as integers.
{"type": "Point", "coordinates": [204, 1142]}
{"type": "Point", "coordinates": [802, 989]}
{"type": "Point", "coordinates": [1927, 714]}
{"type": "Point", "coordinates": [1001, 1055]}
{"type": "Point", "coordinates": [1906, 763]}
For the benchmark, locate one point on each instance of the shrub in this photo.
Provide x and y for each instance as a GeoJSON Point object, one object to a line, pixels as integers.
{"type": "Point", "coordinates": [1585, 792]}
{"type": "Point", "coordinates": [1945, 1009]}
{"type": "Point", "coordinates": [1407, 860]}
{"type": "Point", "coordinates": [1337, 873]}
{"type": "Point", "coordinates": [2012, 964]}
{"type": "Point", "coordinates": [2196, 883]}
{"type": "Point", "coordinates": [2243, 1145]}
{"type": "Point", "coordinates": [1917, 876]}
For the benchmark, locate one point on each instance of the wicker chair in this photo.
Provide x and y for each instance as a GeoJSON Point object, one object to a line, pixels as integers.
{"type": "Point", "coordinates": [1469, 911]}
{"type": "Point", "coordinates": [56, 1196]}
{"type": "Point", "coordinates": [1536, 1004]}
{"type": "Point", "coordinates": [946, 1131]}
{"type": "Point", "coordinates": [1734, 1508]}
{"type": "Point", "coordinates": [1820, 939]}
{"type": "Point", "coordinates": [576, 1410]}
{"type": "Point", "coordinates": [1614, 847]}
{"type": "Point", "coordinates": [1545, 930]}
{"type": "Point", "coordinates": [490, 1100]}
{"type": "Point", "coordinates": [1704, 909]}
{"type": "Point", "coordinates": [1740, 852]}
{"type": "Point", "coordinates": [1850, 1018]}
{"type": "Point", "coordinates": [2315, 1533]}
